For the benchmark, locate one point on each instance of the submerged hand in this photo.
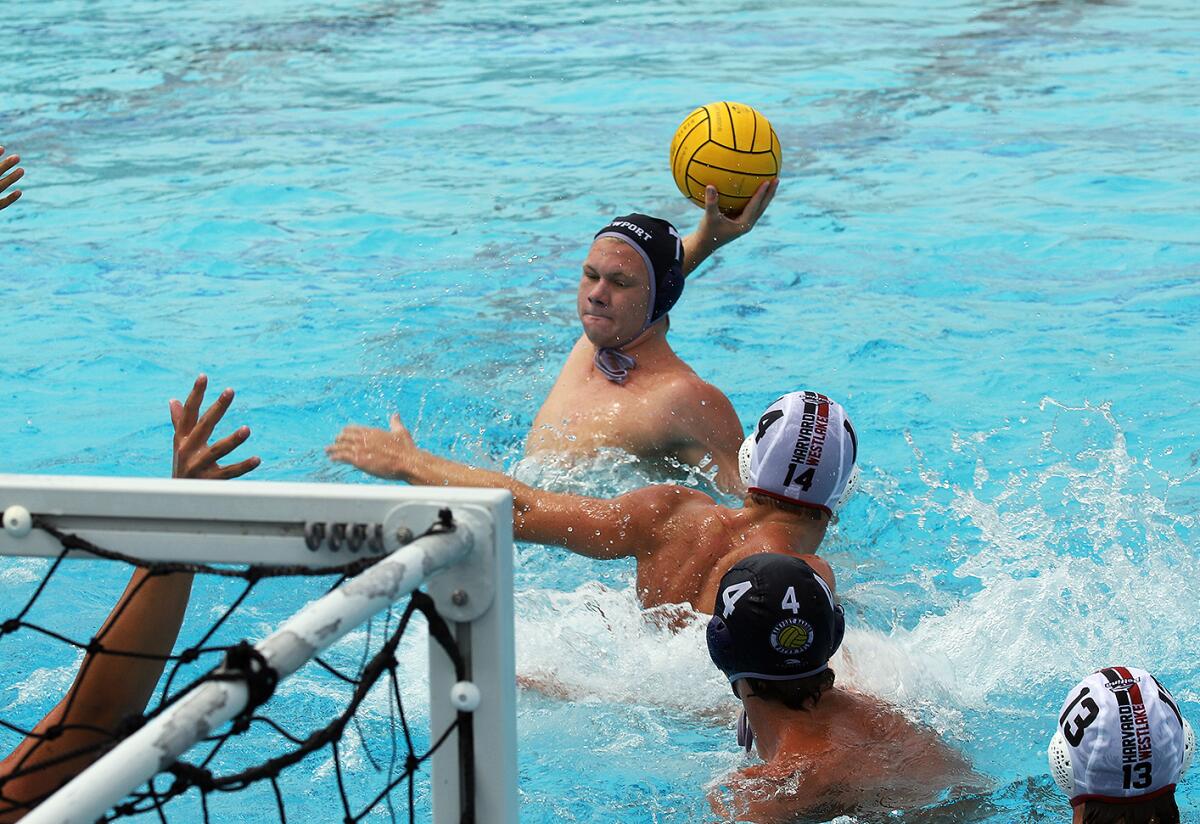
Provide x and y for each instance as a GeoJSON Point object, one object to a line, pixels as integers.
{"type": "Point", "coordinates": [379, 452]}
{"type": "Point", "coordinates": [7, 180]}
{"type": "Point", "coordinates": [717, 229]}
{"type": "Point", "coordinates": [194, 457]}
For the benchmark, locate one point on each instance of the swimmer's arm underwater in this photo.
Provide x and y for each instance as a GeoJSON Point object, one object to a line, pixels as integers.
{"type": "Point", "coordinates": [595, 527]}
{"type": "Point", "coordinates": [145, 622]}
{"type": "Point", "coordinates": [715, 229]}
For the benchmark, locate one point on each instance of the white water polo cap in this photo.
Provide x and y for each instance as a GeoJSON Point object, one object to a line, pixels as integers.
{"type": "Point", "coordinates": [1120, 736]}
{"type": "Point", "coordinates": [803, 451]}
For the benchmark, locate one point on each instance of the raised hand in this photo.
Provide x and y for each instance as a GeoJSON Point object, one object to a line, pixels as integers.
{"type": "Point", "coordinates": [715, 229]}
{"type": "Point", "coordinates": [194, 457]}
{"type": "Point", "coordinates": [382, 453]}
{"type": "Point", "coordinates": [7, 180]}
{"type": "Point", "coordinates": [718, 229]}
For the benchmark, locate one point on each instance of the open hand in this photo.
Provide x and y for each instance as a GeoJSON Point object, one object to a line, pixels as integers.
{"type": "Point", "coordinates": [194, 457]}
{"type": "Point", "coordinates": [7, 180]}
{"type": "Point", "coordinates": [379, 452]}
{"type": "Point", "coordinates": [718, 229]}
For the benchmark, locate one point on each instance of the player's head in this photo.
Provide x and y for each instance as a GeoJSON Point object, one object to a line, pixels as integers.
{"type": "Point", "coordinates": [1119, 748]}
{"type": "Point", "coordinates": [632, 277]}
{"type": "Point", "coordinates": [802, 452]}
{"type": "Point", "coordinates": [775, 625]}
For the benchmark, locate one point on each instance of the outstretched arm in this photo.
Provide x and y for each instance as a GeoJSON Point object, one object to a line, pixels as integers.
{"type": "Point", "coordinates": [7, 179]}
{"type": "Point", "coordinates": [595, 527]}
{"type": "Point", "coordinates": [715, 230]}
{"type": "Point", "coordinates": [146, 620]}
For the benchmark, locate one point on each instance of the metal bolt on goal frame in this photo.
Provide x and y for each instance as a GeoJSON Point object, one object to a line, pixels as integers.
{"type": "Point", "coordinates": [459, 597]}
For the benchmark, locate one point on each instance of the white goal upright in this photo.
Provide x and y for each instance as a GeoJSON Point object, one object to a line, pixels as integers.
{"type": "Point", "coordinates": [465, 567]}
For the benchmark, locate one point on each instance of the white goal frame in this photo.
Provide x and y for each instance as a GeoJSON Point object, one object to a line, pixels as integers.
{"type": "Point", "coordinates": [468, 573]}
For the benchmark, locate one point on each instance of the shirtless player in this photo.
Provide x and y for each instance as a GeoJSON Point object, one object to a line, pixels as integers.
{"type": "Point", "coordinates": [827, 751]}
{"type": "Point", "coordinates": [622, 385]}
{"type": "Point", "coordinates": [799, 466]}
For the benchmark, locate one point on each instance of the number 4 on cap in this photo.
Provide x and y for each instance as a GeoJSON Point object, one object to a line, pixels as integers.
{"type": "Point", "coordinates": [731, 595]}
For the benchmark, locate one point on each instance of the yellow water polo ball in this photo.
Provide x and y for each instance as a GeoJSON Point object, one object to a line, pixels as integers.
{"type": "Point", "coordinates": [727, 145]}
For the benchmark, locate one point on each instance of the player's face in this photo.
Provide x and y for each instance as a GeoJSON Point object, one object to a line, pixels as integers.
{"type": "Point", "coordinates": [614, 293]}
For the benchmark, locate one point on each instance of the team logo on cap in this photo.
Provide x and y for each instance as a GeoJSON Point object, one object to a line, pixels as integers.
{"type": "Point", "coordinates": [792, 636]}
{"type": "Point", "coordinates": [1121, 685]}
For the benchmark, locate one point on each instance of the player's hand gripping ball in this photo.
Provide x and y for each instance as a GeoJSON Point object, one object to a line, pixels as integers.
{"type": "Point", "coordinates": [727, 145]}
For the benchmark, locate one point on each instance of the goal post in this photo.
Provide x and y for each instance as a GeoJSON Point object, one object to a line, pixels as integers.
{"type": "Point", "coordinates": [465, 566]}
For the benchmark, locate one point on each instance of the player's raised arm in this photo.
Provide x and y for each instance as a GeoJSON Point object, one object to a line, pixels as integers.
{"type": "Point", "coordinates": [136, 638]}
{"type": "Point", "coordinates": [715, 229]}
{"type": "Point", "coordinates": [595, 527]}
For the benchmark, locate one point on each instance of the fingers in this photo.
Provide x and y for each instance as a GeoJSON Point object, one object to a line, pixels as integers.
{"type": "Point", "coordinates": [191, 407]}
{"type": "Point", "coordinates": [396, 424]}
{"type": "Point", "coordinates": [227, 444]}
{"type": "Point", "coordinates": [5, 182]}
{"type": "Point", "coordinates": [8, 162]}
{"type": "Point", "coordinates": [238, 469]}
{"type": "Point", "coordinates": [176, 409]}
{"type": "Point", "coordinates": [772, 188]}
{"type": "Point", "coordinates": [10, 198]}
{"type": "Point", "coordinates": [758, 204]}
{"type": "Point", "coordinates": [711, 201]}
{"type": "Point", "coordinates": [211, 417]}
{"type": "Point", "coordinates": [338, 453]}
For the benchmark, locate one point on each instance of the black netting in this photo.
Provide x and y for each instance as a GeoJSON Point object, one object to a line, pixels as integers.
{"type": "Point", "coordinates": [393, 763]}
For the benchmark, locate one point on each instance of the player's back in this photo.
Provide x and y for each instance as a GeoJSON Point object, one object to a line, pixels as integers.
{"type": "Point", "coordinates": [850, 753]}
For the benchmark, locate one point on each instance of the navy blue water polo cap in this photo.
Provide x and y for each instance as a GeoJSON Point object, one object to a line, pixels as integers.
{"type": "Point", "coordinates": [775, 619]}
{"type": "Point", "coordinates": [661, 249]}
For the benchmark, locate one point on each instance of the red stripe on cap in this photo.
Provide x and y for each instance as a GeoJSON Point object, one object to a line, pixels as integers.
{"type": "Point", "coordinates": [1135, 694]}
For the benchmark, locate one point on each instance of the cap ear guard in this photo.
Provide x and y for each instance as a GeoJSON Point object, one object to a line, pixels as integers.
{"type": "Point", "coordinates": [851, 487]}
{"type": "Point", "coordinates": [1059, 756]}
{"type": "Point", "coordinates": [745, 455]}
{"type": "Point", "coordinates": [1189, 747]}
{"type": "Point", "coordinates": [720, 647]}
{"type": "Point", "coordinates": [839, 629]}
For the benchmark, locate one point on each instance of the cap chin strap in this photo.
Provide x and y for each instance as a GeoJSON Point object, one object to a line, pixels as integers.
{"type": "Point", "coordinates": [1059, 755]}
{"type": "Point", "coordinates": [745, 735]}
{"type": "Point", "coordinates": [613, 364]}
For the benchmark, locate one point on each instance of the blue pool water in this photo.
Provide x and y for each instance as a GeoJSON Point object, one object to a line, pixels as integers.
{"type": "Point", "coordinates": [985, 245]}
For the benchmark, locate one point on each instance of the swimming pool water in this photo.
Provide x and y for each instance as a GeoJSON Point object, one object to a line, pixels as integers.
{"type": "Point", "coordinates": [985, 245]}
